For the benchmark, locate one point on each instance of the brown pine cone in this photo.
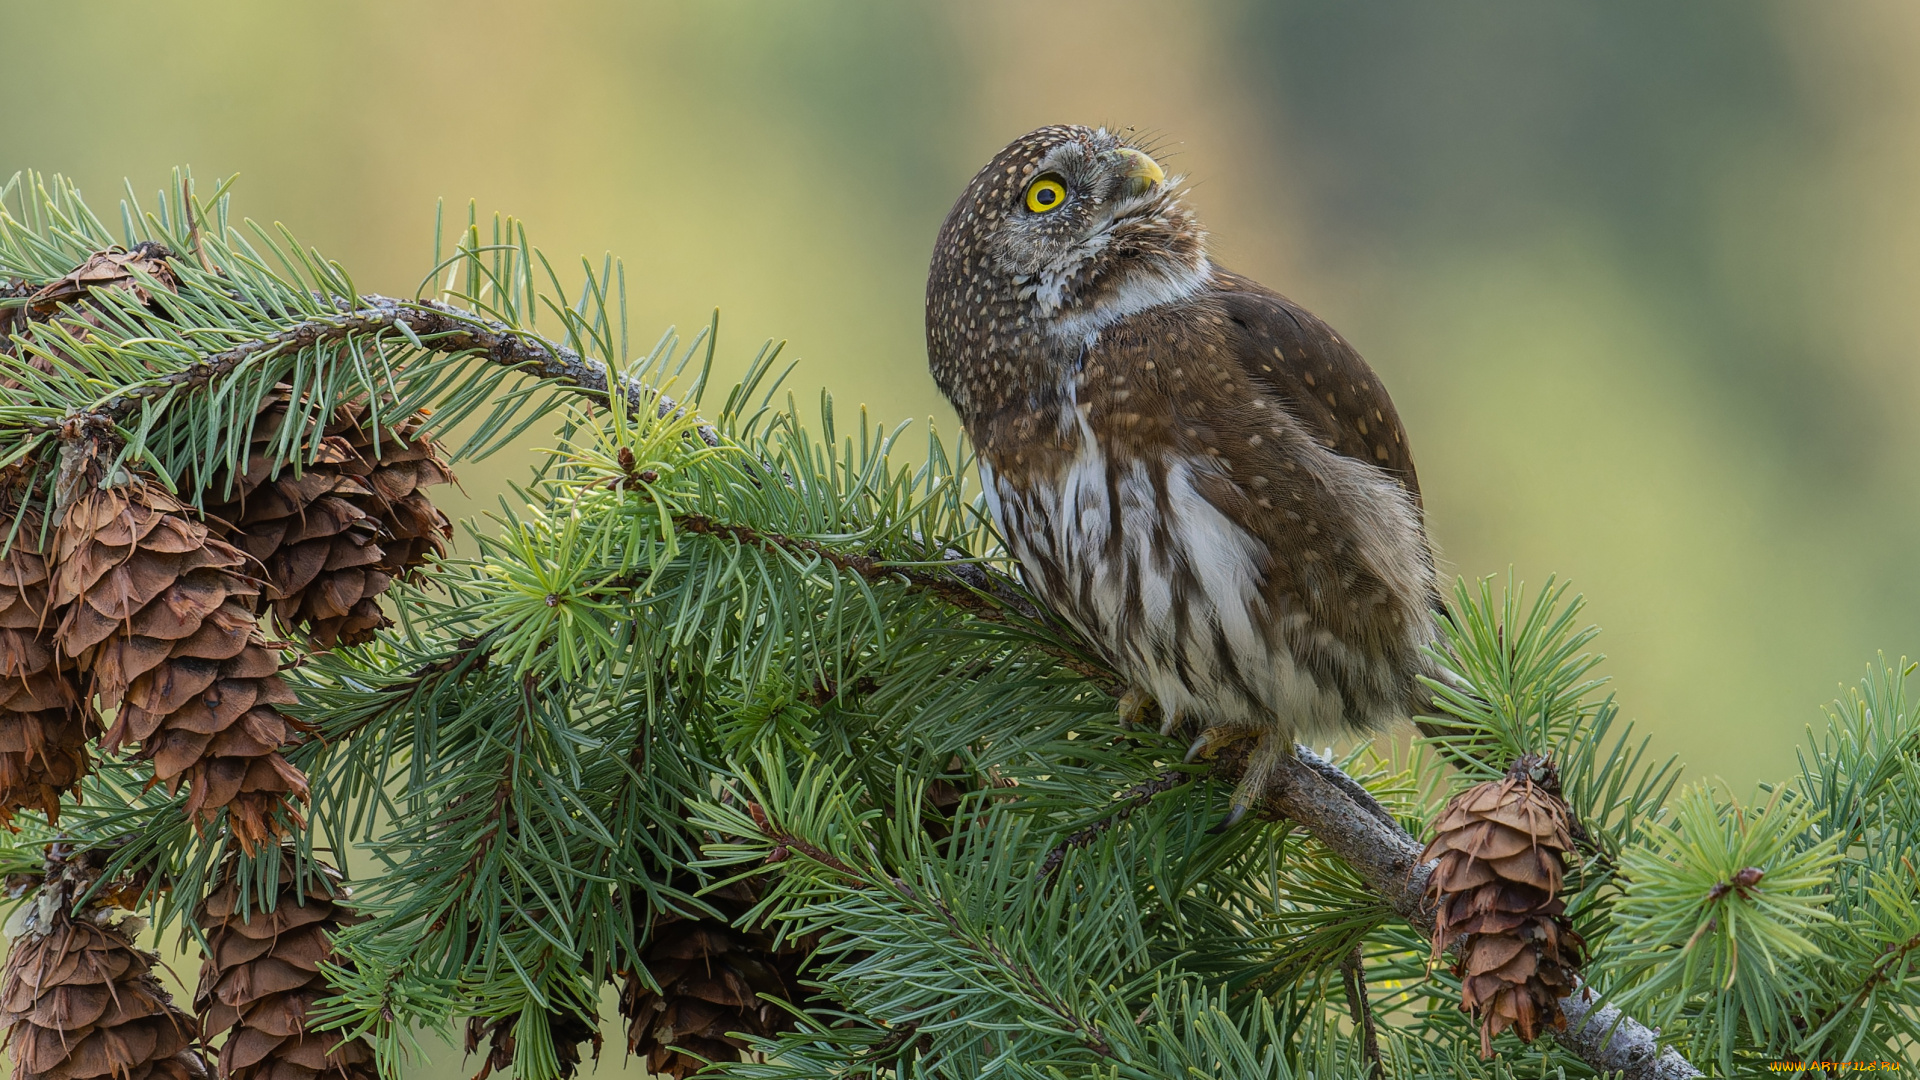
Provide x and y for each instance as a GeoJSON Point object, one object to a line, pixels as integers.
{"type": "Point", "coordinates": [13, 317]}
{"type": "Point", "coordinates": [332, 538]}
{"type": "Point", "coordinates": [262, 974]}
{"type": "Point", "coordinates": [319, 548]}
{"type": "Point", "coordinates": [397, 467]}
{"type": "Point", "coordinates": [45, 721]}
{"type": "Point", "coordinates": [110, 269]}
{"type": "Point", "coordinates": [711, 976]}
{"type": "Point", "coordinates": [1502, 848]}
{"type": "Point", "coordinates": [158, 612]}
{"type": "Point", "coordinates": [80, 1002]}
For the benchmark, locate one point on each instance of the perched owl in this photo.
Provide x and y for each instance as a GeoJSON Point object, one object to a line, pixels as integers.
{"type": "Point", "coordinates": [1199, 475]}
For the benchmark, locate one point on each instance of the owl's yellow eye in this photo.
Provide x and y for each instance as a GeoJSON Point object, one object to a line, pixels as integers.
{"type": "Point", "coordinates": [1045, 194]}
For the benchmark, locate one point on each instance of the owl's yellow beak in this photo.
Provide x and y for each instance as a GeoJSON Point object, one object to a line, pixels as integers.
{"type": "Point", "coordinates": [1143, 173]}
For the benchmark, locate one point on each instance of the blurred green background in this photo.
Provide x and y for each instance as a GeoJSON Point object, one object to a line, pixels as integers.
{"type": "Point", "coordinates": [1640, 275]}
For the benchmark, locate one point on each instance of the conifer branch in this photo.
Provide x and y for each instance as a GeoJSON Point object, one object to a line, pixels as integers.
{"type": "Point", "coordinates": [1893, 957]}
{"type": "Point", "coordinates": [786, 844]}
{"type": "Point", "coordinates": [447, 328]}
{"type": "Point", "coordinates": [982, 597]}
{"type": "Point", "coordinates": [1130, 800]}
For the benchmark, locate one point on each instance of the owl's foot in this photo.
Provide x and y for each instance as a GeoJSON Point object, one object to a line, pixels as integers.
{"type": "Point", "coordinates": [1262, 763]}
{"type": "Point", "coordinates": [1134, 706]}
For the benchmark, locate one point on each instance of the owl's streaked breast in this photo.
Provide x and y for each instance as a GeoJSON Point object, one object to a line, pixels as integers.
{"type": "Point", "coordinates": [1134, 555]}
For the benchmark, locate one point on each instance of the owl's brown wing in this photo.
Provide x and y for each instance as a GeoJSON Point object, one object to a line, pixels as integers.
{"type": "Point", "coordinates": [1322, 381]}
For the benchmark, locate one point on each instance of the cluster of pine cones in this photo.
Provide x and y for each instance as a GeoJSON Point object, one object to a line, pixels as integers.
{"type": "Point", "coordinates": [124, 600]}
{"type": "Point", "coordinates": [80, 1001]}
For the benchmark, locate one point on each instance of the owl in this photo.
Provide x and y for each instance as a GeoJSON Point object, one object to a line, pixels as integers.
{"type": "Point", "coordinates": [1200, 476]}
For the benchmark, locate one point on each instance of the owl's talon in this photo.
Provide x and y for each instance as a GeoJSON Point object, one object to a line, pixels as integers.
{"type": "Point", "coordinates": [1134, 705]}
{"type": "Point", "coordinates": [1194, 751]}
{"type": "Point", "coordinates": [1234, 815]}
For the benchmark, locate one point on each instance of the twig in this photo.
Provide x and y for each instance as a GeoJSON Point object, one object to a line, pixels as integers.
{"type": "Point", "coordinates": [785, 844]}
{"type": "Point", "coordinates": [985, 599]}
{"type": "Point", "coordinates": [1130, 800]}
{"type": "Point", "coordinates": [1892, 957]}
{"type": "Point", "coordinates": [1353, 970]}
{"type": "Point", "coordinates": [447, 329]}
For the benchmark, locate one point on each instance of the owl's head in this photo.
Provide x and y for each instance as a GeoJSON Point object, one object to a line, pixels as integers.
{"type": "Point", "coordinates": [1064, 231]}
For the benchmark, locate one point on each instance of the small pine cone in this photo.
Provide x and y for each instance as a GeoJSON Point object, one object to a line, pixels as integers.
{"type": "Point", "coordinates": [396, 468]}
{"type": "Point", "coordinates": [262, 974]}
{"type": "Point", "coordinates": [320, 548]}
{"type": "Point", "coordinates": [333, 537]}
{"type": "Point", "coordinates": [1502, 849]}
{"type": "Point", "coordinates": [569, 1034]}
{"type": "Point", "coordinates": [711, 975]}
{"type": "Point", "coordinates": [159, 614]}
{"type": "Point", "coordinates": [110, 269]}
{"type": "Point", "coordinates": [45, 722]}
{"type": "Point", "coordinates": [80, 1002]}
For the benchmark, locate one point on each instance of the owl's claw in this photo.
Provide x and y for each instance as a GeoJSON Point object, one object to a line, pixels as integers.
{"type": "Point", "coordinates": [1212, 740]}
{"type": "Point", "coordinates": [1261, 762]}
{"type": "Point", "coordinates": [1133, 706]}
{"type": "Point", "coordinates": [1194, 751]}
{"type": "Point", "coordinates": [1233, 817]}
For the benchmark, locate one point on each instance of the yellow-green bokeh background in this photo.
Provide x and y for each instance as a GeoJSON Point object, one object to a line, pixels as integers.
{"type": "Point", "coordinates": [1641, 276]}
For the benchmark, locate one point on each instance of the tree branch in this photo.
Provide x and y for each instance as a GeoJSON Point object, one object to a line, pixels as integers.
{"type": "Point", "coordinates": [978, 593]}
{"type": "Point", "coordinates": [445, 328]}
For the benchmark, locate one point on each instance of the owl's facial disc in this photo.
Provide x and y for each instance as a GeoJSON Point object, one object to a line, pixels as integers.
{"type": "Point", "coordinates": [1073, 198]}
{"type": "Point", "coordinates": [1066, 231]}
{"type": "Point", "coordinates": [1096, 231]}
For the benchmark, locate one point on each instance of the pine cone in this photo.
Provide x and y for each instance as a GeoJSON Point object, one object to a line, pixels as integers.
{"type": "Point", "coordinates": [80, 1001]}
{"type": "Point", "coordinates": [319, 548]}
{"type": "Point", "coordinates": [396, 468]}
{"type": "Point", "coordinates": [13, 317]}
{"type": "Point", "coordinates": [711, 975]}
{"type": "Point", "coordinates": [1502, 847]}
{"type": "Point", "coordinates": [159, 613]}
{"type": "Point", "coordinates": [262, 974]}
{"type": "Point", "coordinates": [332, 538]}
{"type": "Point", "coordinates": [45, 722]}
{"type": "Point", "coordinates": [110, 269]}
{"type": "Point", "coordinates": [569, 1034]}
